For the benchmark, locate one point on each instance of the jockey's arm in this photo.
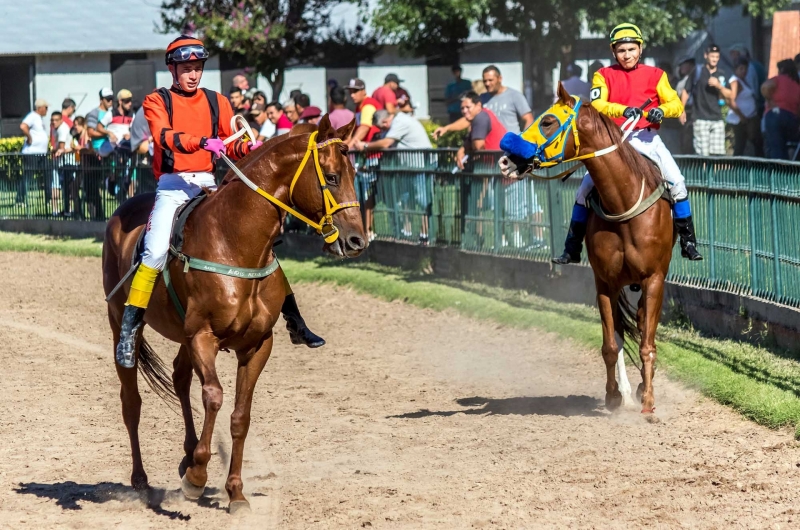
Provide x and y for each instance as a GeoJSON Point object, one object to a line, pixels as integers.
{"type": "Point", "coordinates": [600, 101]}
{"type": "Point", "coordinates": [670, 102]}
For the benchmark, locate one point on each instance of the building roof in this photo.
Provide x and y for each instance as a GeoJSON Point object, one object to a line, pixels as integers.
{"type": "Point", "coordinates": [76, 26]}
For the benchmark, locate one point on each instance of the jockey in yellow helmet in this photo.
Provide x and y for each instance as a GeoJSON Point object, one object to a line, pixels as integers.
{"type": "Point", "coordinates": [618, 91]}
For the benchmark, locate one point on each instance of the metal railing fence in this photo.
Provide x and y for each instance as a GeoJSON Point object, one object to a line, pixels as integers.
{"type": "Point", "coordinates": [747, 211]}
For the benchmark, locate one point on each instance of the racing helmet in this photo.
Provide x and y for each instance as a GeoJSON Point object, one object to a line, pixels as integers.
{"type": "Point", "coordinates": [184, 49]}
{"type": "Point", "coordinates": [626, 32]}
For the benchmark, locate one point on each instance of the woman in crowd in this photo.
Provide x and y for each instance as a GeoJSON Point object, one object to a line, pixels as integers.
{"type": "Point", "coordinates": [743, 113]}
{"type": "Point", "coordinates": [781, 124]}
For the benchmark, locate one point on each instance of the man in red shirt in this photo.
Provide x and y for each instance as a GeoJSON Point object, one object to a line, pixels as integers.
{"type": "Point", "coordinates": [365, 111]}
{"type": "Point", "coordinates": [485, 130]}
{"type": "Point", "coordinates": [386, 95]}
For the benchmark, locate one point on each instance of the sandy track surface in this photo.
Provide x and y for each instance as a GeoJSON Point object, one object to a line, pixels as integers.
{"type": "Point", "coordinates": [407, 419]}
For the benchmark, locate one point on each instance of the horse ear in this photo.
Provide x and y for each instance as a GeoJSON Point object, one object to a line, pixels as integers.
{"type": "Point", "coordinates": [563, 95]}
{"type": "Point", "coordinates": [325, 130]}
{"type": "Point", "coordinates": [345, 131]}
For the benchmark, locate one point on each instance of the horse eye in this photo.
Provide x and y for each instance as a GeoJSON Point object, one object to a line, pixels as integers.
{"type": "Point", "coordinates": [332, 179]}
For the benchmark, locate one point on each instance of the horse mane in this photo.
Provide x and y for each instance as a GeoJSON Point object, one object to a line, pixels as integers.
{"type": "Point", "coordinates": [632, 158]}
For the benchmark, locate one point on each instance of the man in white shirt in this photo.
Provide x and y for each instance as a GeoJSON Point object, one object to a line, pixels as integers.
{"type": "Point", "coordinates": [63, 176]}
{"type": "Point", "coordinates": [573, 83]}
{"type": "Point", "coordinates": [36, 138]}
{"type": "Point", "coordinates": [36, 142]}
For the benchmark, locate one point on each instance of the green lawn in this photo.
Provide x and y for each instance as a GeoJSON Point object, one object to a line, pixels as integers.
{"type": "Point", "coordinates": [762, 385]}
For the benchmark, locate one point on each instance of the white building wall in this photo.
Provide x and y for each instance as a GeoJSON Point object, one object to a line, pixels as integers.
{"type": "Point", "coordinates": [415, 81]}
{"type": "Point", "coordinates": [310, 80]}
{"type": "Point", "coordinates": [79, 76]}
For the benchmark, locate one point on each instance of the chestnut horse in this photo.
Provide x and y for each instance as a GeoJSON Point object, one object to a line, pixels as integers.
{"type": "Point", "coordinates": [635, 251]}
{"type": "Point", "coordinates": [234, 226]}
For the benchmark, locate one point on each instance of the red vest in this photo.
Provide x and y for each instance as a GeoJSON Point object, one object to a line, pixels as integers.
{"type": "Point", "coordinates": [374, 129]}
{"type": "Point", "coordinates": [632, 88]}
{"type": "Point", "coordinates": [496, 134]}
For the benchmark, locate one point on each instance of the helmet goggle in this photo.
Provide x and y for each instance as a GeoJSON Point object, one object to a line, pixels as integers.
{"type": "Point", "coordinates": [626, 33]}
{"type": "Point", "coordinates": [185, 53]}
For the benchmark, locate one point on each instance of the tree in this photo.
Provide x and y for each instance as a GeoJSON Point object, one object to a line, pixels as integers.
{"type": "Point", "coordinates": [436, 29]}
{"type": "Point", "coordinates": [269, 35]}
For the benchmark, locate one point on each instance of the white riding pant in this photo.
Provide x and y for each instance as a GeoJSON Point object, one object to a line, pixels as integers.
{"type": "Point", "coordinates": [173, 190]}
{"type": "Point", "coordinates": [649, 144]}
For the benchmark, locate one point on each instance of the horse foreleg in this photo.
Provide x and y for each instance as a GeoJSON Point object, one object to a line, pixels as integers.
{"type": "Point", "coordinates": [131, 410]}
{"type": "Point", "coordinates": [251, 364]}
{"type": "Point", "coordinates": [653, 294]}
{"type": "Point", "coordinates": [606, 303]}
{"type": "Point", "coordinates": [182, 382]}
{"type": "Point", "coordinates": [203, 353]}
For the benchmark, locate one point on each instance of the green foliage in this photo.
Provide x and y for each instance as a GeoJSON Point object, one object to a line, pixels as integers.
{"type": "Point", "coordinates": [451, 139]}
{"type": "Point", "coordinates": [269, 35]}
{"type": "Point", "coordinates": [430, 28]}
{"type": "Point", "coordinates": [11, 145]}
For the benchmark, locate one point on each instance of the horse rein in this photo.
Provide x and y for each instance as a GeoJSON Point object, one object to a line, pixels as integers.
{"type": "Point", "coordinates": [325, 226]}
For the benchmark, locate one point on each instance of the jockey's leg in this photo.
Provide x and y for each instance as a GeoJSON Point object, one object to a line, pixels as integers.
{"type": "Point", "coordinates": [173, 190]}
{"type": "Point", "coordinates": [577, 225]}
{"type": "Point", "coordinates": [650, 144]}
{"type": "Point", "coordinates": [298, 331]}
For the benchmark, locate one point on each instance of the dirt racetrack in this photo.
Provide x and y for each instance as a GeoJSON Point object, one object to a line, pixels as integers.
{"type": "Point", "coordinates": [407, 419]}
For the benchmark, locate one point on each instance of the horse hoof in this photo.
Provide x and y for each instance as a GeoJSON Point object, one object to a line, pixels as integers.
{"type": "Point", "coordinates": [140, 484]}
{"type": "Point", "coordinates": [613, 402]}
{"type": "Point", "coordinates": [239, 508]}
{"type": "Point", "coordinates": [190, 491]}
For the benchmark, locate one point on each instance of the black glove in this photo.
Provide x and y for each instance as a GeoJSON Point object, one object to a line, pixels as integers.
{"type": "Point", "coordinates": [631, 112]}
{"type": "Point", "coordinates": [655, 115]}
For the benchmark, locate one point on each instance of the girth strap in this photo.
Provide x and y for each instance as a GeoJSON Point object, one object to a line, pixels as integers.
{"type": "Point", "coordinates": [644, 205]}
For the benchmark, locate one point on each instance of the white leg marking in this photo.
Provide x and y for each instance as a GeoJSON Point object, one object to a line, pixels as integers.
{"type": "Point", "coordinates": [622, 375]}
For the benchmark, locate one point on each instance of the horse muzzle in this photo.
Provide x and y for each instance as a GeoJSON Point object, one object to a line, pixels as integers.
{"type": "Point", "coordinates": [350, 245]}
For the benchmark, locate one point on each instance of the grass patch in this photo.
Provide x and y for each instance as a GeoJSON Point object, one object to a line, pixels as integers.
{"type": "Point", "coordinates": [762, 385]}
{"type": "Point", "coordinates": [51, 245]}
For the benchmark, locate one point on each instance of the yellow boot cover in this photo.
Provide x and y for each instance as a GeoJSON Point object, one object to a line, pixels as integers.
{"type": "Point", "coordinates": [142, 286]}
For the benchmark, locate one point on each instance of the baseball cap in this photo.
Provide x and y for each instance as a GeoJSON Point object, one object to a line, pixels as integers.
{"type": "Point", "coordinates": [356, 84]}
{"type": "Point", "coordinates": [106, 92]}
{"type": "Point", "coordinates": [713, 48]}
{"type": "Point", "coordinates": [392, 78]}
{"type": "Point", "coordinates": [124, 94]}
{"type": "Point", "coordinates": [310, 112]}
{"type": "Point", "coordinates": [40, 103]}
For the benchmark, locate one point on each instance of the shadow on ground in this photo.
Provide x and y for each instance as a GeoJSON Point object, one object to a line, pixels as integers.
{"type": "Point", "coordinates": [540, 405]}
{"type": "Point", "coordinates": [70, 495]}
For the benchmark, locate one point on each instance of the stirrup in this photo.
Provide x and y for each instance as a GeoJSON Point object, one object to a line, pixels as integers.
{"type": "Point", "coordinates": [565, 259]}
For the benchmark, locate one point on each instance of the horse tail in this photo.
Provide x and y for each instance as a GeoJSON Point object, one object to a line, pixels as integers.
{"type": "Point", "coordinates": [156, 373]}
{"type": "Point", "coordinates": [628, 324]}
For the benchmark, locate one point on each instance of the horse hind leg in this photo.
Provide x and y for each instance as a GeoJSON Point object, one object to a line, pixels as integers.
{"type": "Point", "coordinates": [250, 368]}
{"type": "Point", "coordinates": [621, 374]}
{"type": "Point", "coordinates": [182, 382]}
{"type": "Point", "coordinates": [131, 409]}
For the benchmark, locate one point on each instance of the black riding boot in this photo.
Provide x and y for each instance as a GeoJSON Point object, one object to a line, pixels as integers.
{"type": "Point", "coordinates": [298, 331]}
{"type": "Point", "coordinates": [685, 228]}
{"type": "Point", "coordinates": [132, 320]}
{"type": "Point", "coordinates": [574, 244]}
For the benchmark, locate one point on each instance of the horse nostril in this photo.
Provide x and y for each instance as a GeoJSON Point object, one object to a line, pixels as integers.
{"type": "Point", "coordinates": [356, 242]}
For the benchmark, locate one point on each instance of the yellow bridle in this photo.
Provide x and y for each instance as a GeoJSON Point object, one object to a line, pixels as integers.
{"type": "Point", "coordinates": [325, 226]}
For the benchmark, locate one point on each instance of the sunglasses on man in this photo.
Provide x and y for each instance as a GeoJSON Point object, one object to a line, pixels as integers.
{"type": "Point", "coordinates": [109, 98]}
{"type": "Point", "coordinates": [126, 100]}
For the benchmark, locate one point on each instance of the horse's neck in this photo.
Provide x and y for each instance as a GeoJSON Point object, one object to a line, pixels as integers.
{"type": "Point", "coordinates": [618, 184]}
{"type": "Point", "coordinates": [237, 224]}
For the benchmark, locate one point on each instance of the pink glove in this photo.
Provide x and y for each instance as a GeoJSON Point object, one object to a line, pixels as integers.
{"type": "Point", "coordinates": [255, 144]}
{"type": "Point", "coordinates": [213, 145]}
